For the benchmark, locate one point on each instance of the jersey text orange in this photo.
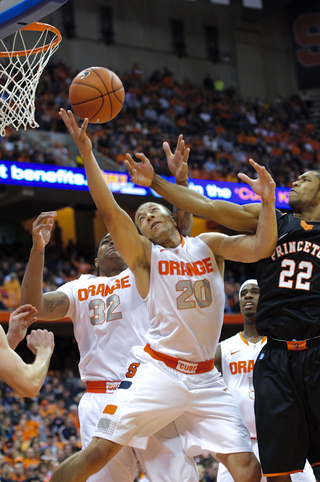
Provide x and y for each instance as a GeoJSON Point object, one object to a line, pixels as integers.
{"type": "Point", "coordinates": [103, 289]}
{"type": "Point", "coordinates": [245, 366]}
{"type": "Point", "coordinates": [181, 268]}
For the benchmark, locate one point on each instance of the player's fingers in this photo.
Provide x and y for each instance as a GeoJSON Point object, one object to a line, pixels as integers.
{"type": "Point", "coordinates": [245, 178]}
{"type": "Point", "coordinates": [167, 149]}
{"type": "Point", "coordinates": [142, 157]}
{"type": "Point", "coordinates": [129, 159]}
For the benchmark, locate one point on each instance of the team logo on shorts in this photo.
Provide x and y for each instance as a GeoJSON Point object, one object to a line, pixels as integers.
{"type": "Point", "coordinates": [261, 356]}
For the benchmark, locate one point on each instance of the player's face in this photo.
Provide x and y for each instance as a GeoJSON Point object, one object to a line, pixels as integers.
{"type": "Point", "coordinates": [108, 257]}
{"type": "Point", "coordinates": [154, 221]}
{"type": "Point", "coordinates": [305, 192]}
{"type": "Point", "coordinates": [249, 299]}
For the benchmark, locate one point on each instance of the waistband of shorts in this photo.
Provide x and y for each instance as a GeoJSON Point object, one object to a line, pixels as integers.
{"type": "Point", "coordinates": [295, 345]}
{"type": "Point", "coordinates": [101, 386]}
{"type": "Point", "coordinates": [183, 366]}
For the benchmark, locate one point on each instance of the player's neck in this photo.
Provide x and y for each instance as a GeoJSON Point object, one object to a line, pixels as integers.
{"type": "Point", "coordinates": [309, 215]}
{"type": "Point", "coordinates": [250, 333]}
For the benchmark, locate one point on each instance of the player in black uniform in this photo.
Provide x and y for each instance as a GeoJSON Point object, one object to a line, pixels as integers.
{"type": "Point", "coordinates": [287, 372]}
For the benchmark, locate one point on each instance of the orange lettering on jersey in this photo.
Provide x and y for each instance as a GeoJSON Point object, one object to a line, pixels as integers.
{"type": "Point", "coordinates": [83, 294]}
{"type": "Point", "coordinates": [193, 269]}
{"type": "Point", "coordinates": [174, 267]}
{"type": "Point", "coordinates": [100, 290]}
{"type": "Point", "coordinates": [306, 227]}
{"type": "Point", "coordinates": [164, 267]}
{"type": "Point", "coordinates": [233, 368]}
{"type": "Point", "coordinates": [109, 290]}
{"type": "Point", "coordinates": [208, 264]}
{"type": "Point", "coordinates": [242, 367]}
{"type": "Point", "coordinates": [181, 268]}
{"type": "Point", "coordinates": [125, 283]}
{"type": "Point", "coordinates": [202, 268]}
{"type": "Point", "coordinates": [92, 290]}
{"type": "Point", "coordinates": [132, 370]}
{"type": "Point", "coordinates": [184, 269]}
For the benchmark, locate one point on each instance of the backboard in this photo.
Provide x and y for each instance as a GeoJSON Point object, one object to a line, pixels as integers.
{"type": "Point", "coordinates": [16, 14]}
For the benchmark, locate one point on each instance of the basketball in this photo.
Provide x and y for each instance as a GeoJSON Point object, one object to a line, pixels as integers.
{"type": "Point", "coordinates": [96, 93]}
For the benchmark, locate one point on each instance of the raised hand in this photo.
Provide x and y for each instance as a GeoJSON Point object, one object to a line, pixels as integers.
{"type": "Point", "coordinates": [78, 134]}
{"type": "Point", "coordinates": [178, 162]}
{"type": "Point", "coordinates": [264, 186]}
{"type": "Point", "coordinates": [19, 321]}
{"type": "Point", "coordinates": [141, 173]}
{"type": "Point", "coordinates": [41, 229]}
{"type": "Point", "coordinates": [40, 340]}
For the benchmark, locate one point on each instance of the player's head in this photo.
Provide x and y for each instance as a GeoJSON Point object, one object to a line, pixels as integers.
{"type": "Point", "coordinates": [305, 192]}
{"type": "Point", "coordinates": [248, 298]}
{"type": "Point", "coordinates": [155, 222]}
{"type": "Point", "coordinates": [107, 259]}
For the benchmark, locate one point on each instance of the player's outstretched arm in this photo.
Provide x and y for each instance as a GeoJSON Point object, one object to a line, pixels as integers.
{"type": "Point", "coordinates": [251, 248]}
{"type": "Point", "coordinates": [121, 227]}
{"type": "Point", "coordinates": [178, 166]}
{"type": "Point", "coordinates": [53, 305]}
{"type": "Point", "coordinates": [239, 218]}
{"type": "Point", "coordinates": [26, 379]}
{"type": "Point", "coordinates": [19, 321]}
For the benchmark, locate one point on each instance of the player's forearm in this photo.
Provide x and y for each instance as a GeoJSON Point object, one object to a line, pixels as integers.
{"type": "Point", "coordinates": [225, 213]}
{"type": "Point", "coordinates": [267, 231]}
{"type": "Point", "coordinates": [35, 374]}
{"type": "Point", "coordinates": [183, 218]}
{"type": "Point", "coordinates": [32, 282]}
{"type": "Point", "coordinates": [99, 190]}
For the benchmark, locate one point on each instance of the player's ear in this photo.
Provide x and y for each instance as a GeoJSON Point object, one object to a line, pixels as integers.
{"type": "Point", "coordinates": [96, 262]}
{"type": "Point", "coordinates": [174, 221]}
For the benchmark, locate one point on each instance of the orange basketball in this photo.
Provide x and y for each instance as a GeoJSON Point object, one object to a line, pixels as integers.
{"type": "Point", "coordinates": [96, 93]}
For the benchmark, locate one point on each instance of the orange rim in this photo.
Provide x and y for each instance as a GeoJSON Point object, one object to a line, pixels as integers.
{"type": "Point", "coordinates": [40, 27]}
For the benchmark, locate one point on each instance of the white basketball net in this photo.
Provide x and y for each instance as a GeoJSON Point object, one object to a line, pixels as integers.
{"type": "Point", "coordinates": [19, 78]}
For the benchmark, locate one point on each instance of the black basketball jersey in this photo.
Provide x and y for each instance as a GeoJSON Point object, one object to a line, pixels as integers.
{"type": "Point", "coordinates": [289, 281]}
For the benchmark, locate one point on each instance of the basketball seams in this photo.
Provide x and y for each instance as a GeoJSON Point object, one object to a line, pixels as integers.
{"type": "Point", "coordinates": [103, 83]}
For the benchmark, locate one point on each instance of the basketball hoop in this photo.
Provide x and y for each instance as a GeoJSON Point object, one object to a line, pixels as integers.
{"type": "Point", "coordinates": [20, 74]}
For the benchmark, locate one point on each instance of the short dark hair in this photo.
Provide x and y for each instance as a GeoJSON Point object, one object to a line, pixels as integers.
{"type": "Point", "coordinates": [150, 202]}
{"type": "Point", "coordinates": [96, 249]}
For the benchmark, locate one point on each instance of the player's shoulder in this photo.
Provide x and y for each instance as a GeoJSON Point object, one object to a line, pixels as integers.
{"type": "Point", "coordinates": [230, 342]}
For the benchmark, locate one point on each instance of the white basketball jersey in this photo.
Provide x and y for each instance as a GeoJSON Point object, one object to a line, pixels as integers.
{"type": "Point", "coordinates": [185, 301]}
{"type": "Point", "coordinates": [238, 357]}
{"type": "Point", "coordinates": [109, 318]}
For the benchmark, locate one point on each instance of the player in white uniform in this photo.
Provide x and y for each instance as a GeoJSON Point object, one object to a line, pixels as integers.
{"type": "Point", "coordinates": [235, 359]}
{"type": "Point", "coordinates": [109, 317]}
{"type": "Point", "coordinates": [173, 377]}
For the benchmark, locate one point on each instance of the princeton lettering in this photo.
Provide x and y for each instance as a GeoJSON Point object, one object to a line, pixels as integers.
{"type": "Point", "coordinates": [295, 246]}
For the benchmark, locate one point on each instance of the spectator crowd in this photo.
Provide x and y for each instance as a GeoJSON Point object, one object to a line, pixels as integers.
{"type": "Point", "coordinates": [222, 129]}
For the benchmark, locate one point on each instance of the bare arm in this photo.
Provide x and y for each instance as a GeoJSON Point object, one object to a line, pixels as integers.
{"type": "Point", "coordinates": [50, 306]}
{"type": "Point", "coordinates": [130, 245]}
{"type": "Point", "coordinates": [19, 321]}
{"type": "Point", "coordinates": [26, 379]}
{"type": "Point", "coordinates": [177, 163]}
{"type": "Point", "coordinates": [233, 216]}
{"type": "Point", "coordinates": [251, 248]}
